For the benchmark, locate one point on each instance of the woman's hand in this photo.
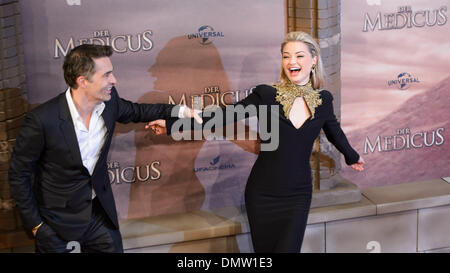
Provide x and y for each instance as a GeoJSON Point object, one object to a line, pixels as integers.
{"type": "Point", "coordinates": [193, 113]}
{"type": "Point", "coordinates": [358, 166]}
{"type": "Point", "coordinates": [158, 126]}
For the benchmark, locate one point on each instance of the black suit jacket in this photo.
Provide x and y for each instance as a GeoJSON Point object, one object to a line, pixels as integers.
{"type": "Point", "coordinates": [46, 149]}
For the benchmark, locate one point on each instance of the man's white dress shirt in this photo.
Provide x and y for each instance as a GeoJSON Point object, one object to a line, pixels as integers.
{"type": "Point", "coordinates": [90, 140]}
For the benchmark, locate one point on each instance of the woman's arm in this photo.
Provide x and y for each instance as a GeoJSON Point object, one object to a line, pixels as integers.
{"type": "Point", "coordinates": [336, 136]}
{"type": "Point", "coordinates": [237, 111]}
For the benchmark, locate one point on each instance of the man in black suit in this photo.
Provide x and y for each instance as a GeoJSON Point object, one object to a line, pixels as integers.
{"type": "Point", "coordinates": [58, 173]}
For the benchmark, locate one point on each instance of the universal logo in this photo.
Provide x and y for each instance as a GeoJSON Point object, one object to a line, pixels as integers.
{"type": "Point", "coordinates": [214, 165]}
{"type": "Point", "coordinates": [403, 81]}
{"type": "Point", "coordinates": [120, 43]}
{"type": "Point", "coordinates": [405, 17]}
{"type": "Point", "coordinates": [207, 35]}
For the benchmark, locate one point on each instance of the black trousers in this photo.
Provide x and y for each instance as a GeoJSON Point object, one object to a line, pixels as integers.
{"type": "Point", "coordinates": [100, 237]}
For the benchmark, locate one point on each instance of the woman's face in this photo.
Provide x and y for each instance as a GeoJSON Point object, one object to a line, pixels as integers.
{"type": "Point", "coordinates": [297, 62]}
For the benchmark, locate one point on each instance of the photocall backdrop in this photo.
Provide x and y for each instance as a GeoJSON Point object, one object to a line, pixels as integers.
{"type": "Point", "coordinates": [395, 89]}
{"type": "Point", "coordinates": [165, 52]}
{"type": "Point", "coordinates": [394, 94]}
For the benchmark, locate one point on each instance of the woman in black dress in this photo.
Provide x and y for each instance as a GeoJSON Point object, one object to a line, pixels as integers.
{"type": "Point", "coordinates": [279, 188]}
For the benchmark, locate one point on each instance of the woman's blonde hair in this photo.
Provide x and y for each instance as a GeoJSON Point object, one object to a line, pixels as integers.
{"type": "Point", "coordinates": [317, 73]}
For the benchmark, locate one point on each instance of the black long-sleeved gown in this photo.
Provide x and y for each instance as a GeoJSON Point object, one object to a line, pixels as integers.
{"type": "Point", "coordinates": [279, 188]}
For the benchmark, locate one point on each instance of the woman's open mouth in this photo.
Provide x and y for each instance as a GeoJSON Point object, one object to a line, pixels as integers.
{"type": "Point", "coordinates": [294, 71]}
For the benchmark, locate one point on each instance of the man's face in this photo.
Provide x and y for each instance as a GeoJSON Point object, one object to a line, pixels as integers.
{"type": "Point", "coordinates": [99, 86]}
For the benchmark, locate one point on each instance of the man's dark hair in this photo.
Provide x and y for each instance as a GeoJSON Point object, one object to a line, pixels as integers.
{"type": "Point", "coordinates": [80, 62]}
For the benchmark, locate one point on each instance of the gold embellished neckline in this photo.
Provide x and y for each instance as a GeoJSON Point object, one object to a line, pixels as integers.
{"type": "Point", "coordinates": [287, 92]}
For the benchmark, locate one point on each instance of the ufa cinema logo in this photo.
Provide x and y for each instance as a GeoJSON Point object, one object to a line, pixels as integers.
{"type": "Point", "coordinates": [207, 34]}
{"type": "Point", "coordinates": [405, 17]}
{"type": "Point", "coordinates": [216, 165]}
{"type": "Point", "coordinates": [120, 43]}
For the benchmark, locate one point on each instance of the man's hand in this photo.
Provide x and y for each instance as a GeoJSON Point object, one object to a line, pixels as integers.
{"type": "Point", "coordinates": [359, 166]}
{"type": "Point", "coordinates": [35, 229]}
{"type": "Point", "coordinates": [158, 126]}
